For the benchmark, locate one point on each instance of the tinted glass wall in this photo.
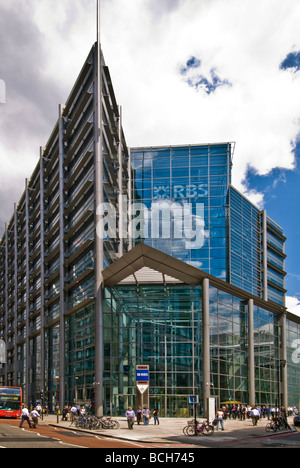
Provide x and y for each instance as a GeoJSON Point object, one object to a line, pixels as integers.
{"type": "Point", "coordinates": [183, 192]}
{"type": "Point", "coordinates": [159, 326]}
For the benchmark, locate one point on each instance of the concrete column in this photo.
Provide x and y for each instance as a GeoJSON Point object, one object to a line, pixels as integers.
{"type": "Point", "coordinates": [251, 366]}
{"type": "Point", "coordinates": [206, 343]}
{"type": "Point", "coordinates": [283, 363]}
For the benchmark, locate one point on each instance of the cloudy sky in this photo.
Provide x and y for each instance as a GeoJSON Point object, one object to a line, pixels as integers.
{"type": "Point", "coordinates": [185, 71]}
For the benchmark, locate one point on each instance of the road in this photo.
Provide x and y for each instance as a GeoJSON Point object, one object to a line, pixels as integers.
{"type": "Point", "coordinates": [44, 436]}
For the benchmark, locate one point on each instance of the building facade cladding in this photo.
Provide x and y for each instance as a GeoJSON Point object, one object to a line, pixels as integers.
{"type": "Point", "coordinates": [185, 179]}
{"type": "Point", "coordinates": [50, 261]}
{"type": "Point", "coordinates": [256, 250]}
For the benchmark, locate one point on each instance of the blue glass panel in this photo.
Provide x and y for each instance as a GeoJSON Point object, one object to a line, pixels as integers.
{"type": "Point", "coordinates": [142, 184]}
{"type": "Point", "coordinates": [218, 160]}
{"type": "Point", "coordinates": [159, 173]}
{"type": "Point", "coordinates": [218, 201]}
{"type": "Point", "coordinates": [199, 161]}
{"type": "Point", "coordinates": [218, 149]}
{"type": "Point", "coordinates": [217, 253]}
{"type": "Point", "coordinates": [180, 172]}
{"type": "Point", "coordinates": [198, 150]}
{"type": "Point", "coordinates": [218, 191]}
{"type": "Point", "coordinates": [218, 180]}
{"type": "Point", "coordinates": [199, 253]}
{"type": "Point", "coordinates": [180, 151]}
{"type": "Point", "coordinates": [218, 170]}
{"type": "Point", "coordinates": [218, 263]}
{"type": "Point", "coordinates": [218, 242]}
{"type": "Point", "coordinates": [161, 162]}
{"type": "Point", "coordinates": [180, 162]}
{"type": "Point", "coordinates": [160, 152]}
{"type": "Point", "coordinates": [199, 171]}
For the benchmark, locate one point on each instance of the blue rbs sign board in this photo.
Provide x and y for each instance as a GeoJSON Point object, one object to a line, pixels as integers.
{"type": "Point", "coordinates": [142, 374]}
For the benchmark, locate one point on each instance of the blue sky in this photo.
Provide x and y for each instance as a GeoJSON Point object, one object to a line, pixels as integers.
{"type": "Point", "coordinates": [184, 71]}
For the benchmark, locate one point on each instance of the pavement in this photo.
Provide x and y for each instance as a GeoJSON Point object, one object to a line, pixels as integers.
{"type": "Point", "coordinates": [169, 431]}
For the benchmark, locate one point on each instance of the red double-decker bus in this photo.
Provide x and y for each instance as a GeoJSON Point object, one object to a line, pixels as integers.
{"type": "Point", "coordinates": [10, 402]}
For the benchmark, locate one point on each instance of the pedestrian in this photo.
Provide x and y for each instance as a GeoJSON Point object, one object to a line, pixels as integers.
{"type": "Point", "coordinates": [219, 418]}
{"type": "Point", "coordinates": [254, 415]}
{"type": "Point", "coordinates": [25, 417]}
{"type": "Point", "coordinates": [130, 417]}
{"type": "Point", "coordinates": [155, 414]}
{"type": "Point", "coordinates": [146, 416]}
{"type": "Point", "coordinates": [139, 415]}
{"type": "Point", "coordinates": [65, 413]}
{"type": "Point", "coordinates": [73, 412]}
{"type": "Point", "coordinates": [39, 409]}
{"type": "Point", "coordinates": [35, 417]}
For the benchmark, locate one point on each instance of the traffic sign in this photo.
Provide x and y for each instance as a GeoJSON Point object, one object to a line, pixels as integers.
{"type": "Point", "coordinates": [193, 399]}
{"type": "Point", "coordinates": [142, 374]}
{"type": "Point", "coordinates": [142, 388]}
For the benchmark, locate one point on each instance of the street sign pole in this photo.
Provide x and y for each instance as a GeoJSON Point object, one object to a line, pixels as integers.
{"type": "Point", "coordinates": [142, 383]}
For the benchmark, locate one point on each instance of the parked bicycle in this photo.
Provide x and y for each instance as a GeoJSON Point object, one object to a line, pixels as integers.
{"type": "Point", "coordinates": [93, 423]}
{"type": "Point", "coordinates": [203, 428]}
{"type": "Point", "coordinates": [108, 423]}
{"type": "Point", "coordinates": [278, 423]}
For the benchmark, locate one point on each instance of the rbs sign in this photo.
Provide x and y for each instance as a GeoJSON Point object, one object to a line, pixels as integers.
{"type": "Point", "coordinates": [142, 374]}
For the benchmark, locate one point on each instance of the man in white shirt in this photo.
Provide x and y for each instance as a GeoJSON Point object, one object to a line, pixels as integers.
{"type": "Point", "coordinates": [25, 417]}
{"type": "Point", "coordinates": [35, 417]}
{"type": "Point", "coordinates": [255, 416]}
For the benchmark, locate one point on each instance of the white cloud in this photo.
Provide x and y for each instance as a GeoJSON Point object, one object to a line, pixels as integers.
{"type": "Point", "coordinates": [244, 41]}
{"type": "Point", "coordinates": [145, 44]}
{"type": "Point", "coordinates": [293, 305]}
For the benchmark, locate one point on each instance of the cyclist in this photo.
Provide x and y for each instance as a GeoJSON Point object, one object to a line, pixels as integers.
{"type": "Point", "coordinates": [130, 417]}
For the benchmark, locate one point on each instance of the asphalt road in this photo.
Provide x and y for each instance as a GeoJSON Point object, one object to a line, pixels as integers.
{"type": "Point", "coordinates": [44, 436]}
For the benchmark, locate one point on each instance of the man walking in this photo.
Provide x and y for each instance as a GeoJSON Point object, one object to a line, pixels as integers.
{"type": "Point", "coordinates": [25, 417]}
{"type": "Point", "coordinates": [130, 415]}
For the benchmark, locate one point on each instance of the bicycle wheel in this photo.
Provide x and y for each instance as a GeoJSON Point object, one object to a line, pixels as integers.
{"type": "Point", "coordinates": [116, 425]}
{"type": "Point", "coordinates": [184, 430]}
{"type": "Point", "coordinates": [271, 427]}
{"type": "Point", "coordinates": [191, 431]}
{"type": "Point", "coordinates": [208, 430]}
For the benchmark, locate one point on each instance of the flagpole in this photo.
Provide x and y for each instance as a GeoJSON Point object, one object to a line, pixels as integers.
{"type": "Point", "coordinates": [98, 22]}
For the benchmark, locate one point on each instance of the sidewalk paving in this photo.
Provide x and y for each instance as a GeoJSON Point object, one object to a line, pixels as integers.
{"type": "Point", "coordinates": [169, 431]}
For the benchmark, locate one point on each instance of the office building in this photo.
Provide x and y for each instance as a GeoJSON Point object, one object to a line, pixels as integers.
{"type": "Point", "coordinates": [115, 258]}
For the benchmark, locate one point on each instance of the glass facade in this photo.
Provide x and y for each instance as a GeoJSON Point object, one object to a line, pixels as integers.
{"type": "Point", "coordinates": [191, 184]}
{"type": "Point", "coordinates": [153, 325]}
{"type": "Point", "coordinates": [256, 250]}
{"type": "Point", "coordinates": [293, 361]}
{"type": "Point", "coordinates": [267, 356]}
{"type": "Point", "coordinates": [244, 243]}
{"type": "Point", "coordinates": [162, 326]}
{"type": "Point", "coordinates": [228, 346]}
